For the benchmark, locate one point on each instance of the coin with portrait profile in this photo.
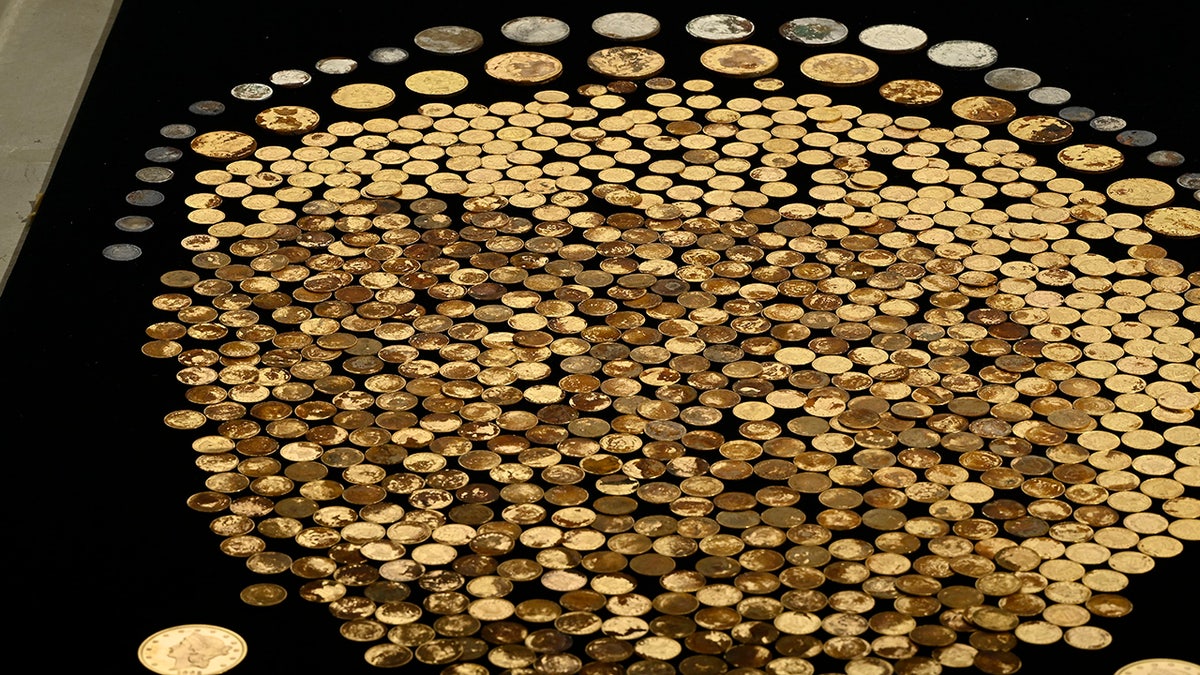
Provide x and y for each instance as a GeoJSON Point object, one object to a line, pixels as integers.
{"type": "Point", "coordinates": [202, 649]}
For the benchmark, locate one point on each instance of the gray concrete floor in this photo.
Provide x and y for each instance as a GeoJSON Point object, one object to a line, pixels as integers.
{"type": "Point", "coordinates": [41, 41]}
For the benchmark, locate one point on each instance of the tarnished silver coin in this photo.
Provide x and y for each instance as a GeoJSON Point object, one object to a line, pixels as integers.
{"type": "Point", "coordinates": [1077, 113]}
{"type": "Point", "coordinates": [252, 91]}
{"type": "Point", "coordinates": [1050, 95]}
{"type": "Point", "coordinates": [814, 31]}
{"type": "Point", "coordinates": [720, 28]}
{"type": "Point", "coordinates": [388, 55]}
{"type": "Point", "coordinates": [290, 78]}
{"type": "Point", "coordinates": [122, 252]}
{"type": "Point", "coordinates": [626, 26]}
{"type": "Point", "coordinates": [963, 54]}
{"type": "Point", "coordinates": [1108, 123]}
{"type": "Point", "coordinates": [536, 30]}
{"type": "Point", "coordinates": [207, 108]}
{"type": "Point", "coordinates": [177, 131]}
{"type": "Point", "coordinates": [1165, 158]}
{"type": "Point", "coordinates": [154, 174]}
{"type": "Point", "coordinates": [1012, 79]}
{"type": "Point", "coordinates": [449, 39]}
{"type": "Point", "coordinates": [895, 38]}
{"type": "Point", "coordinates": [1137, 138]}
{"type": "Point", "coordinates": [164, 154]}
{"type": "Point", "coordinates": [145, 198]}
{"type": "Point", "coordinates": [337, 65]}
{"type": "Point", "coordinates": [134, 223]}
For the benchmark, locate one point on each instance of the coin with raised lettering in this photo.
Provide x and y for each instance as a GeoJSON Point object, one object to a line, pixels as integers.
{"type": "Point", "coordinates": [1160, 666]}
{"type": "Point", "coordinates": [202, 649]}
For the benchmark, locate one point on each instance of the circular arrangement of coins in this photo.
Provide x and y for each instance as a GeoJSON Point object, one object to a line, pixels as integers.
{"type": "Point", "coordinates": [639, 378]}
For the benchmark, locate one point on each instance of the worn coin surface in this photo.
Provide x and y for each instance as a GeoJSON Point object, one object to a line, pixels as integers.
{"type": "Point", "coordinates": [720, 27]}
{"type": "Point", "coordinates": [814, 31]}
{"type": "Point", "coordinates": [536, 30]}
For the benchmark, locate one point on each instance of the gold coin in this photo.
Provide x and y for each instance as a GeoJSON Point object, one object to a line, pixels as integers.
{"type": "Point", "coordinates": [626, 62]}
{"type": "Point", "coordinates": [739, 60]}
{"type": "Point", "coordinates": [363, 96]}
{"type": "Point", "coordinates": [524, 67]}
{"type": "Point", "coordinates": [197, 648]}
{"type": "Point", "coordinates": [288, 120]}
{"type": "Point", "coordinates": [1160, 666]}
{"type": "Point", "coordinates": [1041, 129]}
{"type": "Point", "coordinates": [1140, 192]}
{"type": "Point", "coordinates": [911, 92]}
{"type": "Point", "coordinates": [984, 109]}
{"type": "Point", "coordinates": [1091, 158]}
{"type": "Point", "coordinates": [1178, 222]}
{"type": "Point", "coordinates": [436, 82]}
{"type": "Point", "coordinates": [263, 595]}
{"type": "Point", "coordinates": [224, 145]}
{"type": "Point", "coordinates": [840, 69]}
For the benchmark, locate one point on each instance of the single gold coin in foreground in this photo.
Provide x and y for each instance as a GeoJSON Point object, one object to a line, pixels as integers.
{"type": "Point", "coordinates": [436, 82]}
{"type": "Point", "coordinates": [1174, 221]}
{"type": "Point", "coordinates": [840, 69]}
{"type": "Point", "coordinates": [1159, 667]}
{"type": "Point", "coordinates": [523, 67]}
{"type": "Point", "coordinates": [739, 60]}
{"type": "Point", "coordinates": [199, 649]}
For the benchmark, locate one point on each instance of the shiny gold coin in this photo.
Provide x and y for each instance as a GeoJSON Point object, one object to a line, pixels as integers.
{"type": "Point", "coordinates": [436, 82]}
{"type": "Point", "coordinates": [288, 120]}
{"type": "Point", "coordinates": [911, 92]}
{"type": "Point", "coordinates": [1041, 129]}
{"type": "Point", "coordinates": [740, 60]}
{"type": "Point", "coordinates": [840, 69]}
{"type": "Point", "coordinates": [626, 62]}
{"type": "Point", "coordinates": [1159, 666]}
{"type": "Point", "coordinates": [224, 145]}
{"type": "Point", "coordinates": [1091, 158]}
{"type": "Point", "coordinates": [204, 648]}
{"type": "Point", "coordinates": [524, 67]}
{"type": "Point", "coordinates": [1174, 221]}
{"type": "Point", "coordinates": [364, 96]}
{"type": "Point", "coordinates": [984, 109]}
{"type": "Point", "coordinates": [1140, 192]}
{"type": "Point", "coordinates": [263, 595]}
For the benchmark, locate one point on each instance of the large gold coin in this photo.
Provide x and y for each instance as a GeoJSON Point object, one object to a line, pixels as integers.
{"type": "Point", "coordinates": [1091, 158]}
{"type": "Point", "coordinates": [739, 60]}
{"type": "Point", "coordinates": [288, 119]}
{"type": "Point", "coordinates": [911, 92]}
{"type": "Point", "coordinates": [1041, 129]}
{"type": "Point", "coordinates": [1140, 192]}
{"type": "Point", "coordinates": [840, 69]}
{"type": "Point", "coordinates": [224, 144]}
{"type": "Point", "coordinates": [1159, 667]}
{"type": "Point", "coordinates": [523, 67]}
{"type": "Point", "coordinates": [984, 109]}
{"type": "Point", "coordinates": [363, 96]}
{"type": "Point", "coordinates": [1174, 221]}
{"type": "Point", "coordinates": [625, 62]}
{"type": "Point", "coordinates": [193, 648]}
{"type": "Point", "coordinates": [436, 82]}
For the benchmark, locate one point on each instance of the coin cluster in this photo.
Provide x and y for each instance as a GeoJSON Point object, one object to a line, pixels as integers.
{"type": "Point", "coordinates": [639, 378]}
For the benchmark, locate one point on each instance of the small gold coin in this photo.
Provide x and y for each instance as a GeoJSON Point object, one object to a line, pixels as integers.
{"type": "Point", "coordinates": [524, 67]}
{"type": "Point", "coordinates": [263, 595]}
{"type": "Point", "coordinates": [1091, 158]}
{"type": "Point", "coordinates": [1140, 192]}
{"type": "Point", "coordinates": [195, 648]}
{"type": "Point", "coordinates": [224, 145]}
{"type": "Point", "coordinates": [1174, 221]}
{"type": "Point", "coordinates": [740, 60]}
{"type": "Point", "coordinates": [840, 69]}
{"type": "Point", "coordinates": [436, 82]}
{"type": "Point", "coordinates": [363, 96]}
{"type": "Point", "coordinates": [288, 119]}
{"type": "Point", "coordinates": [626, 62]}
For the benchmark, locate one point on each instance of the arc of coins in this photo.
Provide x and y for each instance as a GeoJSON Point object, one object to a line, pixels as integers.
{"type": "Point", "coordinates": [635, 376]}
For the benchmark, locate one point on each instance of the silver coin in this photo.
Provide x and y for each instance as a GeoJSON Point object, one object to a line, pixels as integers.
{"type": "Point", "coordinates": [449, 39]}
{"type": "Point", "coordinates": [1050, 95]}
{"type": "Point", "coordinates": [1137, 138]}
{"type": "Point", "coordinates": [336, 65]}
{"type": "Point", "coordinates": [963, 54]}
{"type": "Point", "coordinates": [207, 108]}
{"type": "Point", "coordinates": [290, 78]}
{"type": "Point", "coordinates": [1107, 123]}
{"type": "Point", "coordinates": [133, 223]}
{"type": "Point", "coordinates": [252, 91]}
{"type": "Point", "coordinates": [895, 38]}
{"type": "Point", "coordinates": [388, 55]}
{"type": "Point", "coordinates": [536, 30]}
{"type": "Point", "coordinates": [178, 131]}
{"type": "Point", "coordinates": [720, 27]}
{"type": "Point", "coordinates": [121, 251]}
{"type": "Point", "coordinates": [164, 154]}
{"type": "Point", "coordinates": [154, 174]}
{"type": "Point", "coordinates": [626, 26]}
{"type": "Point", "coordinates": [145, 198]}
{"type": "Point", "coordinates": [1077, 113]}
{"type": "Point", "coordinates": [1189, 181]}
{"type": "Point", "coordinates": [1165, 158]}
{"type": "Point", "coordinates": [1012, 79]}
{"type": "Point", "coordinates": [814, 31]}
